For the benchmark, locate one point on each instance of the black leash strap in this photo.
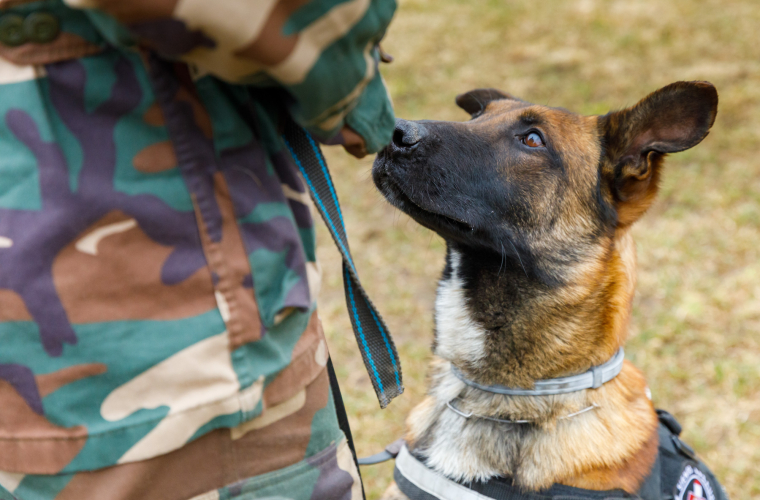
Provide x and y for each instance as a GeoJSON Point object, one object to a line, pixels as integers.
{"type": "Point", "coordinates": [340, 410]}
{"type": "Point", "coordinates": [375, 342]}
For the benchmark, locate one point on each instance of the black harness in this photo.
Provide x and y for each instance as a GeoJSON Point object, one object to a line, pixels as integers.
{"type": "Point", "coordinates": [676, 475]}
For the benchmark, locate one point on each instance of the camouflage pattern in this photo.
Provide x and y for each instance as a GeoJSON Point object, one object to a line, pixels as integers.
{"type": "Point", "coordinates": [158, 275]}
{"type": "Point", "coordinates": [295, 448]}
{"type": "Point", "coordinates": [298, 45]}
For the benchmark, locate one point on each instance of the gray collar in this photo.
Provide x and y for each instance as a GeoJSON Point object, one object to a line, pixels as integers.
{"type": "Point", "coordinates": [592, 379]}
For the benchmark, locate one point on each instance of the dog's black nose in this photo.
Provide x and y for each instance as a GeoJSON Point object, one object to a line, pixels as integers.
{"type": "Point", "coordinates": [407, 134]}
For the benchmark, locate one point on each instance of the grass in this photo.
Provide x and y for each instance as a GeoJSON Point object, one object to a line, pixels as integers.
{"type": "Point", "coordinates": [696, 326]}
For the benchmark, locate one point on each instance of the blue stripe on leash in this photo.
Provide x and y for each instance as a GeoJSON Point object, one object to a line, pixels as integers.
{"type": "Point", "coordinates": [361, 334]}
{"type": "Point", "coordinates": [379, 358]}
{"type": "Point", "coordinates": [325, 172]}
{"type": "Point", "coordinates": [387, 346]}
{"type": "Point", "coordinates": [318, 200]}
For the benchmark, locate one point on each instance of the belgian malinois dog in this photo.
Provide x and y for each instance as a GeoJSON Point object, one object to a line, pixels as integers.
{"type": "Point", "coordinates": [535, 205]}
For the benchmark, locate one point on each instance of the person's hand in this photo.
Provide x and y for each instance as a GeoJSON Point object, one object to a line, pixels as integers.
{"type": "Point", "coordinates": [353, 142]}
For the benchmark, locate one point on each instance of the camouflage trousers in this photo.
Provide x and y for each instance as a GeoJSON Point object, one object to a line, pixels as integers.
{"type": "Point", "coordinates": [295, 451]}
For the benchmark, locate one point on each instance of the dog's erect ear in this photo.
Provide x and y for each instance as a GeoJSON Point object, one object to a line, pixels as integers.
{"type": "Point", "coordinates": [475, 101]}
{"type": "Point", "coordinates": [672, 119]}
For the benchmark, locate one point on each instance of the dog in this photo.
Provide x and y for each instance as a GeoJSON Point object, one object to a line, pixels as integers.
{"type": "Point", "coordinates": [535, 205]}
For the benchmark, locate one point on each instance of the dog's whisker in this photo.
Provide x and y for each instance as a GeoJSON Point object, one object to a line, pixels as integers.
{"type": "Point", "coordinates": [503, 257]}
{"type": "Point", "coordinates": [518, 258]}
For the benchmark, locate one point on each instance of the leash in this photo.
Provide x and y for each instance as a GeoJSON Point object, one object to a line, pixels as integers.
{"type": "Point", "coordinates": [340, 410]}
{"type": "Point", "coordinates": [375, 343]}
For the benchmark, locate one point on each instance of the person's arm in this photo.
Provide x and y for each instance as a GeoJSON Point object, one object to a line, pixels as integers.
{"type": "Point", "coordinates": [322, 52]}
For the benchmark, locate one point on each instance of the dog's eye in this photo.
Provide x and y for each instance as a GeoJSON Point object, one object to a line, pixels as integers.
{"type": "Point", "coordinates": [533, 140]}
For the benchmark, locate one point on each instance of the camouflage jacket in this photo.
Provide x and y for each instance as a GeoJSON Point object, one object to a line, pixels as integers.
{"type": "Point", "coordinates": [157, 267]}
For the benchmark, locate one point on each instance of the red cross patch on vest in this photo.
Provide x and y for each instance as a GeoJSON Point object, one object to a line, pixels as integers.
{"type": "Point", "coordinates": [693, 485]}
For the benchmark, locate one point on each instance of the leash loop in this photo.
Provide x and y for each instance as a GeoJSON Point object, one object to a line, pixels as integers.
{"type": "Point", "coordinates": [375, 343]}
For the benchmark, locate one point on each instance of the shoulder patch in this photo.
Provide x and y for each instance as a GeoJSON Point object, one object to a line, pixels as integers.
{"type": "Point", "coordinates": [693, 485]}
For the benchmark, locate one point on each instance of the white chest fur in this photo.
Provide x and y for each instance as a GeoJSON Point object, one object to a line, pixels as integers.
{"type": "Point", "coordinates": [458, 337]}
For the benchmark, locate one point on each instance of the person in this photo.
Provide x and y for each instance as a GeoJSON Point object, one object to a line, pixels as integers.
{"type": "Point", "coordinates": [158, 329]}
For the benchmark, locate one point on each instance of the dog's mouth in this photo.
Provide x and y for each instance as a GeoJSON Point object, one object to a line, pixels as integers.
{"type": "Point", "coordinates": [445, 224]}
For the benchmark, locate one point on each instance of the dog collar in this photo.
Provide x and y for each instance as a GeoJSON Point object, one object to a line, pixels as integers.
{"type": "Point", "coordinates": [450, 406]}
{"type": "Point", "coordinates": [592, 379]}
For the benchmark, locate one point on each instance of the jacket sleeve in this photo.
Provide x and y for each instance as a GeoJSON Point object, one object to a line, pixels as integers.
{"type": "Point", "coordinates": [323, 53]}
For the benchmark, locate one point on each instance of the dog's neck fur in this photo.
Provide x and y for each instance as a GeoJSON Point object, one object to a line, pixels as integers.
{"type": "Point", "coordinates": [497, 326]}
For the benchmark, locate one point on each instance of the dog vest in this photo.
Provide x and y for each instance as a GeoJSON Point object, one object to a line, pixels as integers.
{"type": "Point", "coordinates": [677, 474]}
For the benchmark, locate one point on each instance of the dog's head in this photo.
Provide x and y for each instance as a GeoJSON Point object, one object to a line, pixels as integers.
{"type": "Point", "coordinates": [538, 184]}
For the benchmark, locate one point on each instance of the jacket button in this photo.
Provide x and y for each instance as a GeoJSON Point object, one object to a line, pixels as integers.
{"type": "Point", "coordinates": [41, 27]}
{"type": "Point", "coordinates": [12, 30]}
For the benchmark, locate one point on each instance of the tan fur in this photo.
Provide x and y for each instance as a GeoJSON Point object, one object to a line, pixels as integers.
{"type": "Point", "coordinates": [579, 142]}
{"type": "Point", "coordinates": [526, 330]}
{"type": "Point", "coordinates": [560, 451]}
{"type": "Point", "coordinates": [641, 192]}
{"type": "Point", "coordinates": [612, 447]}
{"type": "Point", "coordinates": [629, 473]}
{"type": "Point", "coordinates": [607, 448]}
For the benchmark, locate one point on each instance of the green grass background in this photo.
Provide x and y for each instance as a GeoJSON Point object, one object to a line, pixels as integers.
{"type": "Point", "coordinates": [696, 326]}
